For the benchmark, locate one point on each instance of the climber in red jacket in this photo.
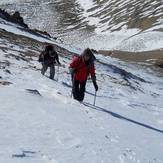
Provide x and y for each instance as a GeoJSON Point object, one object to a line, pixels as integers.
{"type": "Point", "coordinates": [81, 67]}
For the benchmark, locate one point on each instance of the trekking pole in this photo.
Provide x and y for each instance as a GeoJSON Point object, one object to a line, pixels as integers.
{"type": "Point", "coordinates": [94, 98]}
{"type": "Point", "coordinates": [71, 91]}
{"type": "Point", "coordinates": [72, 76]}
{"type": "Point", "coordinates": [57, 73]}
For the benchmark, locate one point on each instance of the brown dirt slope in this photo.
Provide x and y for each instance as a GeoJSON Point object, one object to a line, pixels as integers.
{"type": "Point", "coordinates": [153, 57]}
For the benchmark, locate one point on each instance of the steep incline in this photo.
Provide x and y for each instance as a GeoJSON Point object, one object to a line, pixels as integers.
{"type": "Point", "coordinates": [40, 123]}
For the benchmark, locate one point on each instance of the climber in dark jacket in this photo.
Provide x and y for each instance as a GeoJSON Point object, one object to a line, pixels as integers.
{"type": "Point", "coordinates": [48, 58]}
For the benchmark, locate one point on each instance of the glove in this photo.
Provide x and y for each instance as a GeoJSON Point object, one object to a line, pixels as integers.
{"type": "Point", "coordinates": [40, 60]}
{"type": "Point", "coordinates": [95, 85]}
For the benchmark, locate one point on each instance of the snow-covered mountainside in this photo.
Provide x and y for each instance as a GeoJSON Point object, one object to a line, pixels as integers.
{"type": "Point", "coordinates": [95, 22]}
{"type": "Point", "coordinates": [117, 14]}
{"type": "Point", "coordinates": [138, 24]}
{"type": "Point", "coordinates": [41, 123]}
{"type": "Point", "coordinates": [102, 15]}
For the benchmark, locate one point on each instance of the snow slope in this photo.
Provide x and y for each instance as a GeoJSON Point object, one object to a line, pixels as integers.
{"type": "Point", "coordinates": [48, 126]}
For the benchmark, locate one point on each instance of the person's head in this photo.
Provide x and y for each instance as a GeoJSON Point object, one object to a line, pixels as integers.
{"type": "Point", "coordinates": [49, 48]}
{"type": "Point", "coordinates": [88, 55]}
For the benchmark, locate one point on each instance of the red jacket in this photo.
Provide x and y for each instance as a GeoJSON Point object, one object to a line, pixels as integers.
{"type": "Point", "coordinates": [82, 70]}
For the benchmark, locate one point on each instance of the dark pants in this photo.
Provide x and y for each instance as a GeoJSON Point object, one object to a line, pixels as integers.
{"type": "Point", "coordinates": [78, 90]}
{"type": "Point", "coordinates": [52, 70]}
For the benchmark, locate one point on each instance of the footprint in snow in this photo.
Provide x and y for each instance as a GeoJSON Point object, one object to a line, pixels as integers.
{"type": "Point", "coordinates": [49, 159]}
{"type": "Point", "coordinates": [67, 140]}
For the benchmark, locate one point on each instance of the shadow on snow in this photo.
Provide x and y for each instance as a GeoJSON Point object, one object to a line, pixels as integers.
{"type": "Point", "coordinates": [122, 117]}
